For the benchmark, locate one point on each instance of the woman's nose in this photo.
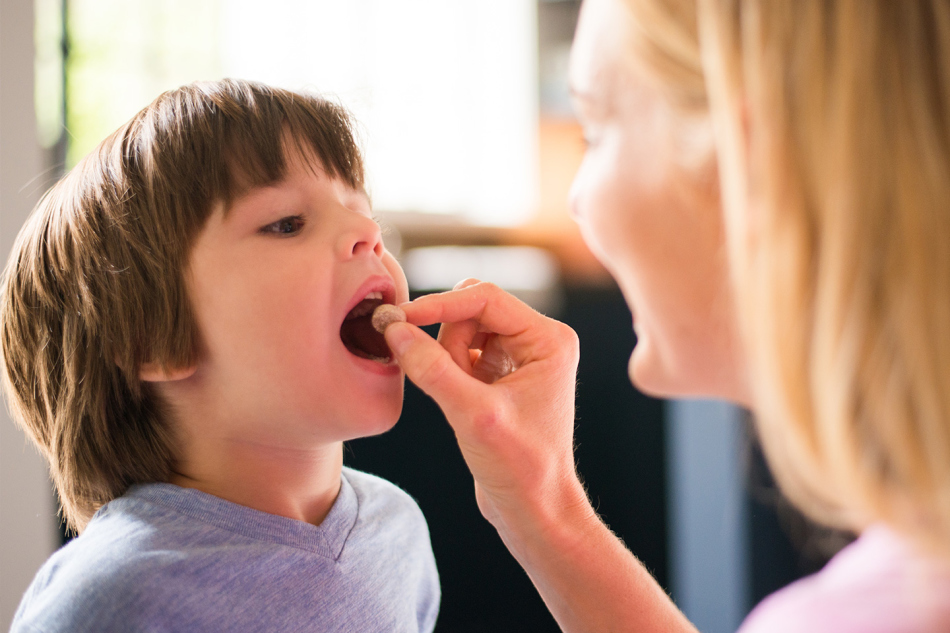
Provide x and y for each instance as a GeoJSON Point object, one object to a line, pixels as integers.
{"type": "Point", "coordinates": [360, 236]}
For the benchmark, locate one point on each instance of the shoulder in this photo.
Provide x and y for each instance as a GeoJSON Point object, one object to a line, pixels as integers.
{"type": "Point", "coordinates": [376, 495]}
{"type": "Point", "coordinates": [91, 586]}
{"type": "Point", "coordinates": [879, 584]}
{"type": "Point", "coordinates": [388, 524]}
{"type": "Point", "coordinates": [372, 484]}
{"type": "Point", "coordinates": [802, 606]}
{"type": "Point", "coordinates": [389, 546]}
{"type": "Point", "coordinates": [122, 568]}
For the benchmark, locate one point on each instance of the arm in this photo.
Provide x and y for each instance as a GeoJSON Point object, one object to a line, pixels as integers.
{"type": "Point", "coordinates": [591, 582]}
{"type": "Point", "coordinates": [504, 377]}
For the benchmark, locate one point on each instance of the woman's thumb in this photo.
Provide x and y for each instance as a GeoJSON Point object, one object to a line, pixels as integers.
{"type": "Point", "coordinates": [431, 368]}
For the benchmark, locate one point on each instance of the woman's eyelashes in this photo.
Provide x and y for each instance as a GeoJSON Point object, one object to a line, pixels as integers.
{"type": "Point", "coordinates": [284, 227]}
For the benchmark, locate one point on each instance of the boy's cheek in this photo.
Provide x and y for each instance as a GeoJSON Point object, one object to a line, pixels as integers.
{"type": "Point", "coordinates": [399, 277]}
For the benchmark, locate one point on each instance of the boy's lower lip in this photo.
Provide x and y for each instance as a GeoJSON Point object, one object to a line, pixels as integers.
{"type": "Point", "coordinates": [376, 367]}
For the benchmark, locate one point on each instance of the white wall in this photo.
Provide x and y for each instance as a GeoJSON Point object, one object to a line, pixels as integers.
{"type": "Point", "coordinates": [27, 514]}
{"type": "Point", "coordinates": [445, 91]}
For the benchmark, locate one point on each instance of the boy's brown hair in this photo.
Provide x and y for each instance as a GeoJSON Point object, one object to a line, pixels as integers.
{"type": "Point", "coordinates": [95, 285]}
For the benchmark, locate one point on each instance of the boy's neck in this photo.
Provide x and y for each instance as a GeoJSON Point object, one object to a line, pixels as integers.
{"type": "Point", "coordinates": [299, 484]}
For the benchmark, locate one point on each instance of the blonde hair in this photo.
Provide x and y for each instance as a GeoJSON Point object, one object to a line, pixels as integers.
{"type": "Point", "coordinates": [94, 286]}
{"type": "Point", "coordinates": [662, 40]}
{"type": "Point", "coordinates": [832, 123]}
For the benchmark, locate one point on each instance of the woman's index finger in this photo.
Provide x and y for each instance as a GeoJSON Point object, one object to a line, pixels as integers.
{"type": "Point", "coordinates": [492, 308]}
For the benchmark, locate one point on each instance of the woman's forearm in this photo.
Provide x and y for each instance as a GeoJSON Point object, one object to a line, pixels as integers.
{"type": "Point", "coordinates": [588, 579]}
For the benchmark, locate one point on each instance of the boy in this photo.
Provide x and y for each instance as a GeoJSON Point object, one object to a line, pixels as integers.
{"type": "Point", "coordinates": [186, 338]}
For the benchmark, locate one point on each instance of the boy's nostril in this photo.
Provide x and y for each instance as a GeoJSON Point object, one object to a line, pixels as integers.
{"type": "Point", "coordinates": [368, 247]}
{"type": "Point", "coordinates": [373, 245]}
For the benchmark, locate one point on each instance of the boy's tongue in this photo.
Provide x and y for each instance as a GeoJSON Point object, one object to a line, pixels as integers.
{"type": "Point", "coordinates": [359, 336]}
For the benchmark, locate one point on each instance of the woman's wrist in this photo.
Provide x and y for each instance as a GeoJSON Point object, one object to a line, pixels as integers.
{"type": "Point", "coordinates": [560, 518]}
{"type": "Point", "coordinates": [587, 577]}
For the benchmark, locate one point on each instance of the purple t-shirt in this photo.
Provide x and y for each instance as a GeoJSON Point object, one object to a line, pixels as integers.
{"type": "Point", "coordinates": [879, 584]}
{"type": "Point", "coordinates": [164, 558]}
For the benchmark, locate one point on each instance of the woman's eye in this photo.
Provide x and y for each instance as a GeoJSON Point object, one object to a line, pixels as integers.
{"type": "Point", "coordinates": [285, 226]}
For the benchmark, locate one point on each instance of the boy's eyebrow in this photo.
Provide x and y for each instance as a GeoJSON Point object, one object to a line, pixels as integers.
{"type": "Point", "coordinates": [236, 199]}
{"type": "Point", "coordinates": [245, 193]}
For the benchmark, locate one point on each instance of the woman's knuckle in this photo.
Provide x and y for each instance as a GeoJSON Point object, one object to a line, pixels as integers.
{"type": "Point", "coordinates": [433, 371]}
{"type": "Point", "coordinates": [573, 341]}
{"type": "Point", "coordinates": [465, 283]}
{"type": "Point", "coordinates": [489, 420]}
{"type": "Point", "coordinates": [559, 340]}
{"type": "Point", "coordinates": [489, 288]}
{"type": "Point", "coordinates": [568, 335]}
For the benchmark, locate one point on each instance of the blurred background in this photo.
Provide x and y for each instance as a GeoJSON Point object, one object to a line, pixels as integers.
{"type": "Point", "coordinates": [471, 145]}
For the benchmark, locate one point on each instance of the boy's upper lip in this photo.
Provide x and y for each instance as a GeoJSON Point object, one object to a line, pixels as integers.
{"type": "Point", "coordinates": [375, 283]}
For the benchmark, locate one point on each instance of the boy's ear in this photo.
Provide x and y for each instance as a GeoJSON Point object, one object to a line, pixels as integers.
{"type": "Point", "coordinates": [155, 372]}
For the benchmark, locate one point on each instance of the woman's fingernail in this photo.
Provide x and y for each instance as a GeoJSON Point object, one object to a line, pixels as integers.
{"type": "Point", "coordinates": [399, 337]}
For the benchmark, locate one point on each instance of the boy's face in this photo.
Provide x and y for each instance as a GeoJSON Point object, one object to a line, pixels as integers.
{"type": "Point", "coordinates": [271, 282]}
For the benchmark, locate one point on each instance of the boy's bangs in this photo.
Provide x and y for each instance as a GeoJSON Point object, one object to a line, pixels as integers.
{"type": "Point", "coordinates": [317, 131]}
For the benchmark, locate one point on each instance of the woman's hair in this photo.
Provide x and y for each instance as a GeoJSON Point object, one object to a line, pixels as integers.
{"type": "Point", "coordinates": [662, 41]}
{"type": "Point", "coordinates": [95, 284]}
{"type": "Point", "coordinates": [832, 122]}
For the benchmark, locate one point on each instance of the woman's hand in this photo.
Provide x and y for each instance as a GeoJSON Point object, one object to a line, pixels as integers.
{"type": "Point", "coordinates": [504, 375]}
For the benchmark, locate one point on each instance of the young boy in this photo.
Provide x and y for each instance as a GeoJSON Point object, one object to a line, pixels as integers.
{"type": "Point", "coordinates": [186, 338]}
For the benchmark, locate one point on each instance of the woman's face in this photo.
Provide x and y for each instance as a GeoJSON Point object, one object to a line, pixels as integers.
{"type": "Point", "coordinates": [649, 210]}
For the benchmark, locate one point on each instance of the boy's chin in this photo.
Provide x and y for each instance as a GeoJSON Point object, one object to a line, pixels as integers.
{"type": "Point", "coordinates": [378, 422]}
{"type": "Point", "coordinates": [371, 431]}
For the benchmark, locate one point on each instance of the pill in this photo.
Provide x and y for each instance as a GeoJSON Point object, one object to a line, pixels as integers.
{"type": "Point", "coordinates": [386, 314]}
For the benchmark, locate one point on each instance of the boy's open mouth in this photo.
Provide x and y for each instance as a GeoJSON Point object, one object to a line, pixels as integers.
{"type": "Point", "coordinates": [359, 336]}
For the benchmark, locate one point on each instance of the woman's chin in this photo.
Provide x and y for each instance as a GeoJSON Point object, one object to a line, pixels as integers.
{"type": "Point", "coordinates": [643, 369]}
{"type": "Point", "coordinates": [652, 377]}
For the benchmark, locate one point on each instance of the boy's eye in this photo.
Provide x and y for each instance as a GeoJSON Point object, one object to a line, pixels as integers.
{"type": "Point", "coordinates": [285, 226]}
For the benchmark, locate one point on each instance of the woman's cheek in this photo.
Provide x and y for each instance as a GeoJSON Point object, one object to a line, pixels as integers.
{"type": "Point", "coordinates": [604, 226]}
{"type": "Point", "coordinates": [576, 196]}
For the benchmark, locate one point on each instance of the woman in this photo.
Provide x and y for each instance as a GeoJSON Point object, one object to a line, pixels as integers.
{"type": "Point", "coordinates": [810, 141]}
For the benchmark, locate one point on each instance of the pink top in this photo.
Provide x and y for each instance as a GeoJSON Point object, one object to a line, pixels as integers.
{"type": "Point", "coordinates": [878, 584]}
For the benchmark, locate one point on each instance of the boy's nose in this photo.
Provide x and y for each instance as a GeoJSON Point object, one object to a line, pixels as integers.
{"type": "Point", "coordinates": [362, 236]}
